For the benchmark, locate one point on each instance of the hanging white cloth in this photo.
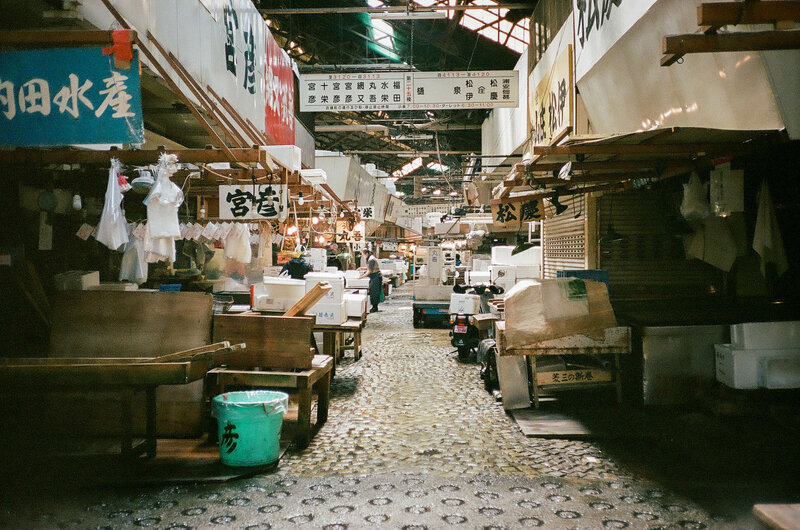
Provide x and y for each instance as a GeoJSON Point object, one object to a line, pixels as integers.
{"type": "Point", "coordinates": [134, 263]}
{"type": "Point", "coordinates": [158, 248]}
{"type": "Point", "coordinates": [767, 240]}
{"type": "Point", "coordinates": [237, 244]}
{"type": "Point", "coordinates": [164, 199]}
{"type": "Point", "coordinates": [113, 228]}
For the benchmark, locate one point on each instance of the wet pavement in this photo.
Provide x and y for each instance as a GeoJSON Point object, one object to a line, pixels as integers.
{"type": "Point", "coordinates": [412, 441]}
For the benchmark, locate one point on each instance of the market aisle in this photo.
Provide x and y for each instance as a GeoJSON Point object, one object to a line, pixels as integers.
{"type": "Point", "coordinates": [412, 441]}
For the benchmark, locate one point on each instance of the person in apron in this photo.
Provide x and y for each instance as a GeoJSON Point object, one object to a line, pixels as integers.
{"type": "Point", "coordinates": [375, 279]}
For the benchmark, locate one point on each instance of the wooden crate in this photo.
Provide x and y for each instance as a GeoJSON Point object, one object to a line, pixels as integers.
{"type": "Point", "coordinates": [273, 341]}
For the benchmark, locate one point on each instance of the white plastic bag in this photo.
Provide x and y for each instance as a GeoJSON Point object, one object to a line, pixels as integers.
{"type": "Point", "coordinates": [695, 204]}
{"type": "Point", "coordinates": [158, 248]}
{"type": "Point", "coordinates": [134, 265]}
{"type": "Point", "coordinates": [237, 244]}
{"type": "Point", "coordinates": [163, 201]}
{"type": "Point", "coordinates": [113, 229]}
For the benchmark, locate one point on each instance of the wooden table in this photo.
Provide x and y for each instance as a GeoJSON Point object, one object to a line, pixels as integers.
{"type": "Point", "coordinates": [333, 338]}
{"type": "Point", "coordinates": [127, 375]}
{"type": "Point", "coordinates": [616, 342]}
{"type": "Point", "coordinates": [306, 382]}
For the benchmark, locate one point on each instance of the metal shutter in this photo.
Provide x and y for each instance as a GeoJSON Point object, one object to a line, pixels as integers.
{"type": "Point", "coordinates": [649, 262]}
{"type": "Point", "coordinates": [563, 243]}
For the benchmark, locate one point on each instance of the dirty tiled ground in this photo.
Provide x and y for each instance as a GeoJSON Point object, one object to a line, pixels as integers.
{"type": "Point", "coordinates": [412, 441]}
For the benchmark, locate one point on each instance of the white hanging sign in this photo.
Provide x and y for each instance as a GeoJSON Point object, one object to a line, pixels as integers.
{"type": "Point", "coordinates": [366, 212]}
{"type": "Point", "coordinates": [409, 90]}
{"type": "Point", "coordinates": [246, 201]}
{"type": "Point", "coordinates": [347, 233]}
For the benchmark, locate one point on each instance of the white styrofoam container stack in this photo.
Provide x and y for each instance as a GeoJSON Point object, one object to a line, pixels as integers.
{"type": "Point", "coordinates": [475, 277]}
{"type": "Point", "coordinates": [277, 294]}
{"type": "Point", "coordinates": [354, 282]}
{"type": "Point", "coordinates": [336, 281]}
{"type": "Point", "coordinates": [287, 155]}
{"type": "Point", "coordinates": [329, 314]}
{"type": "Point", "coordinates": [356, 304]}
{"type": "Point", "coordinates": [503, 275]}
{"type": "Point", "coordinates": [480, 265]}
{"type": "Point", "coordinates": [760, 355]}
{"type": "Point", "coordinates": [501, 255]}
{"type": "Point", "coordinates": [466, 304]}
{"type": "Point", "coordinates": [318, 259]}
{"type": "Point", "coordinates": [76, 280]}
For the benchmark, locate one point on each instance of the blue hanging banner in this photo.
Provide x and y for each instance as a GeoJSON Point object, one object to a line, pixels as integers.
{"type": "Point", "coordinates": [68, 96]}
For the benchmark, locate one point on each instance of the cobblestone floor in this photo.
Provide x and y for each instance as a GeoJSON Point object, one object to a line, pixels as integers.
{"type": "Point", "coordinates": [412, 441]}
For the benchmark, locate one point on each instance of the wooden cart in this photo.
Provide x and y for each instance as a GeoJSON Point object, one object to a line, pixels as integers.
{"type": "Point", "coordinates": [616, 342]}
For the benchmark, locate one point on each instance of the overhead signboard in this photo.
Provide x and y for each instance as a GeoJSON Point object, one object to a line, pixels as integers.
{"type": "Point", "coordinates": [247, 201]}
{"type": "Point", "coordinates": [68, 96]}
{"type": "Point", "coordinates": [409, 91]}
{"type": "Point", "coordinates": [553, 105]}
{"type": "Point", "coordinates": [279, 79]}
{"type": "Point", "coordinates": [509, 216]}
{"type": "Point", "coordinates": [349, 232]}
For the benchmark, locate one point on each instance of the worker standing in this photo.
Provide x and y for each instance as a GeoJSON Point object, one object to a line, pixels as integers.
{"type": "Point", "coordinates": [375, 279]}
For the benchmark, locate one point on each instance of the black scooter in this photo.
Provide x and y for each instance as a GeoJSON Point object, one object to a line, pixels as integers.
{"type": "Point", "coordinates": [464, 335]}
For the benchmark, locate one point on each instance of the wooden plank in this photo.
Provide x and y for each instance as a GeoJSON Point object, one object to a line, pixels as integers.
{"type": "Point", "coordinates": [573, 377]}
{"type": "Point", "coordinates": [637, 149]}
{"type": "Point", "coordinates": [550, 425]}
{"type": "Point", "coordinates": [82, 37]}
{"type": "Point", "coordinates": [778, 516]}
{"type": "Point", "coordinates": [733, 13]}
{"type": "Point", "coordinates": [273, 341]}
{"type": "Point", "coordinates": [309, 299]}
{"type": "Point", "coordinates": [41, 157]}
{"type": "Point", "coordinates": [129, 324]}
{"type": "Point", "coordinates": [88, 375]}
{"type": "Point", "coordinates": [731, 42]}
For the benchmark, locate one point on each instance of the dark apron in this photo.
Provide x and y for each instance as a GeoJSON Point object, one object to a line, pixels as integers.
{"type": "Point", "coordinates": [375, 286]}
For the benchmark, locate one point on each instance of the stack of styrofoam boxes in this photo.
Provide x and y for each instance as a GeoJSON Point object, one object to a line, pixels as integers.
{"type": "Point", "coordinates": [761, 355]}
{"type": "Point", "coordinates": [502, 272]}
{"type": "Point", "coordinates": [479, 272]}
{"type": "Point", "coordinates": [465, 304]}
{"type": "Point", "coordinates": [356, 304]}
{"type": "Point", "coordinates": [331, 309]}
{"type": "Point", "coordinates": [354, 280]}
{"type": "Point", "coordinates": [528, 263]}
{"type": "Point", "coordinates": [277, 294]}
{"type": "Point", "coordinates": [77, 280]}
{"type": "Point", "coordinates": [318, 259]}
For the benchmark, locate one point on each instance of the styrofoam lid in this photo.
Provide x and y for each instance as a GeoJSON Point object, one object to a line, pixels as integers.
{"type": "Point", "coordinates": [284, 281]}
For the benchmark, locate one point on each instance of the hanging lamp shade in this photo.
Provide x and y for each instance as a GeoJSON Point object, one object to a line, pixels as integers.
{"type": "Point", "coordinates": [143, 182]}
{"type": "Point", "coordinates": [611, 235]}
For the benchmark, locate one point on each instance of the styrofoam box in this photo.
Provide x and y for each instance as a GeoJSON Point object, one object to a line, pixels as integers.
{"type": "Point", "coordinates": [780, 372]}
{"type": "Point", "coordinates": [765, 335]}
{"type": "Point", "coordinates": [501, 255]}
{"type": "Point", "coordinates": [331, 269]}
{"type": "Point", "coordinates": [336, 280]}
{"type": "Point", "coordinates": [329, 314]}
{"type": "Point", "coordinates": [528, 272]}
{"type": "Point", "coordinates": [288, 155]}
{"type": "Point", "coordinates": [277, 294]}
{"type": "Point", "coordinates": [358, 283]}
{"type": "Point", "coordinates": [531, 256]}
{"type": "Point", "coordinates": [746, 369]}
{"type": "Point", "coordinates": [480, 265]}
{"type": "Point", "coordinates": [503, 273]}
{"type": "Point", "coordinates": [76, 280]}
{"type": "Point", "coordinates": [465, 304]}
{"type": "Point", "coordinates": [475, 277]}
{"type": "Point", "coordinates": [356, 304]}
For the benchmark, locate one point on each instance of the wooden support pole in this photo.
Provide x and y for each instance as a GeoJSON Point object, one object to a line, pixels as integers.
{"type": "Point", "coordinates": [234, 115]}
{"type": "Point", "coordinates": [733, 13]}
{"type": "Point", "coordinates": [174, 86]}
{"type": "Point", "coordinates": [676, 46]}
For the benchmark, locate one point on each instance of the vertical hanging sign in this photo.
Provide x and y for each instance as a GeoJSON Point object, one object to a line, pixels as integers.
{"type": "Point", "coordinates": [280, 94]}
{"type": "Point", "coordinates": [553, 111]}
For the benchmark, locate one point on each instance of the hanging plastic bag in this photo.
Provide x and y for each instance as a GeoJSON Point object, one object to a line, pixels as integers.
{"type": "Point", "coordinates": [237, 244]}
{"type": "Point", "coordinates": [695, 204]}
{"type": "Point", "coordinates": [134, 265]}
{"type": "Point", "coordinates": [164, 199]}
{"type": "Point", "coordinates": [113, 228]}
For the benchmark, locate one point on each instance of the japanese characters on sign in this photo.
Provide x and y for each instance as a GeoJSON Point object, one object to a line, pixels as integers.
{"type": "Point", "coordinates": [552, 108]}
{"type": "Point", "coordinates": [280, 94]}
{"type": "Point", "coordinates": [366, 212]}
{"type": "Point", "coordinates": [68, 96]}
{"type": "Point", "coordinates": [409, 90]}
{"type": "Point", "coordinates": [508, 216]}
{"type": "Point", "coordinates": [571, 377]}
{"type": "Point", "coordinates": [246, 201]}
{"type": "Point", "coordinates": [347, 232]}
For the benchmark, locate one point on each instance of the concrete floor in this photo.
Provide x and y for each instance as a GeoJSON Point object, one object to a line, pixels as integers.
{"type": "Point", "coordinates": [414, 441]}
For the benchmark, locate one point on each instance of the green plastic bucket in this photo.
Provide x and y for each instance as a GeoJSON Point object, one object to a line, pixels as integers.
{"type": "Point", "coordinates": [249, 426]}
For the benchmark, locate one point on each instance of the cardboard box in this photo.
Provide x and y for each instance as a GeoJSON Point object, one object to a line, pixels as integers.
{"type": "Point", "coordinates": [76, 280]}
{"type": "Point", "coordinates": [329, 314]}
{"type": "Point", "coordinates": [465, 304]}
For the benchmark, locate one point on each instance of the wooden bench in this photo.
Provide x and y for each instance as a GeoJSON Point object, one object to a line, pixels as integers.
{"type": "Point", "coordinates": [280, 354]}
{"type": "Point", "coordinates": [124, 375]}
{"type": "Point", "coordinates": [333, 338]}
{"type": "Point", "coordinates": [305, 383]}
